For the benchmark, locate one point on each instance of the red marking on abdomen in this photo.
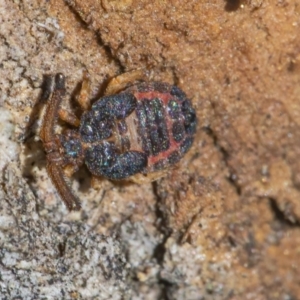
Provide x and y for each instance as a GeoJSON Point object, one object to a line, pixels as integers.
{"type": "Point", "coordinates": [164, 97]}
{"type": "Point", "coordinates": [164, 154]}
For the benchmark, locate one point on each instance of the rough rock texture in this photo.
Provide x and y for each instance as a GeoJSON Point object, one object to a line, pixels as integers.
{"type": "Point", "coordinates": [225, 223]}
{"type": "Point", "coordinates": [40, 259]}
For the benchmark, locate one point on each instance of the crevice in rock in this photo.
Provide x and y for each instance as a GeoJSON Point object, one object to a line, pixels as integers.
{"type": "Point", "coordinates": [109, 53]}
{"type": "Point", "coordinates": [165, 286]}
{"type": "Point", "coordinates": [100, 41]}
{"type": "Point", "coordinates": [225, 155]}
{"type": "Point", "coordinates": [160, 250]}
{"type": "Point", "coordinates": [232, 5]}
{"type": "Point", "coordinates": [161, 226]}
{"type": "Point", "coordinates": [280, 216]}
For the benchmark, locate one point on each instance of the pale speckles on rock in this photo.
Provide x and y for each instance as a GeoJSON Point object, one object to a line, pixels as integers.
{"type": "Point", "coordinates": [8, 147]}
{"type": "Point", "coordinates": [44, 260]}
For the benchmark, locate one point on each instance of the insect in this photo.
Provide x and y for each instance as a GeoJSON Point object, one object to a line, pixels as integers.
{"type": "Point", "coordinates": [135, 131]}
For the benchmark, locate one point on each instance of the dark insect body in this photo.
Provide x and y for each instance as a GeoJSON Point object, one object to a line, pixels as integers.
{"type": "Point", "coordinates": [138, 133]}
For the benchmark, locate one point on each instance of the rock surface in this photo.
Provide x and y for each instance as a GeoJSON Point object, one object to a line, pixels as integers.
{"type": "Point", "coordinates": [225, 223]}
